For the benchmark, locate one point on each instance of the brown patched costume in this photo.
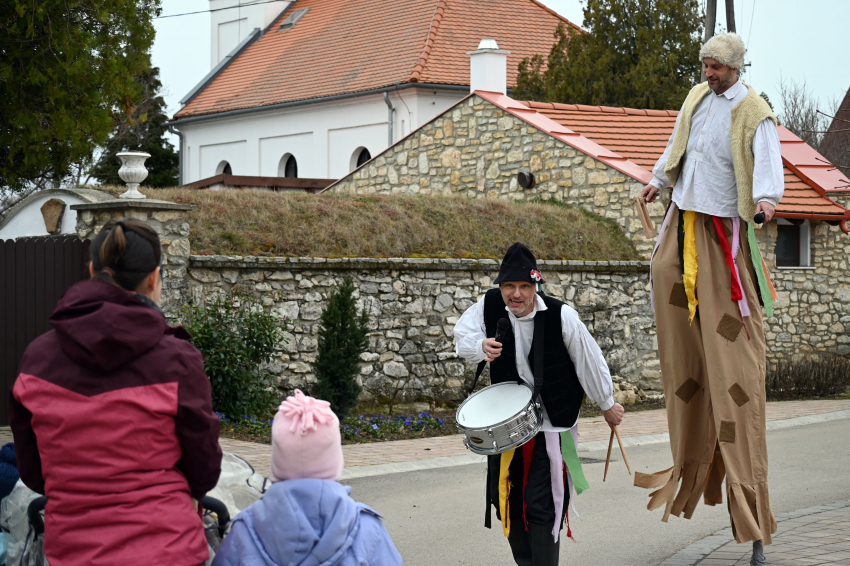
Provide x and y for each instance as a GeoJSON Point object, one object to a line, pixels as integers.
{"type": "Point", "coordinates": [714, 372]}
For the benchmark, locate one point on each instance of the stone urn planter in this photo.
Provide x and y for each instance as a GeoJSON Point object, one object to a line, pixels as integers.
{"type": "Point", "coordinates": [133, 172]}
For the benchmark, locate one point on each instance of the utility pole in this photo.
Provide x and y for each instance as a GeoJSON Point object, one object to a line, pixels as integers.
{"type": "Point", "coordinates": [710, 17]}
{"type": "Point", "coordinates": [730, 16]}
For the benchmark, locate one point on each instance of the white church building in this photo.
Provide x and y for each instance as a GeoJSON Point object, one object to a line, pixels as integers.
{"type": "Point", "coordinates": [313, 88]}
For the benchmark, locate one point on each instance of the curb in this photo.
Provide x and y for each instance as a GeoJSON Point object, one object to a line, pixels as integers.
{"type": "Point", "coordinates": [696, 552]}
{"type": "Point", "coordinates": [644, 440]}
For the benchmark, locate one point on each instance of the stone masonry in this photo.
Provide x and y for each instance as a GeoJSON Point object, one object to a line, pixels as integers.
{"type": "Point", "coordinates": [413, 305]}
{"type": "Point", "coordinates": [476, 150]}
{"type": "Point", "coordinates": [169, 221]}
{"type": "Point", "coordinates": [812, 313]}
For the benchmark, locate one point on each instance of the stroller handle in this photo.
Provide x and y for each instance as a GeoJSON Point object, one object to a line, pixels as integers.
{"type": "Point", "coordinates": [217, 507]}
{"type": "Point", "coordinates": [38, 504]}
{"type": "Point", "coordinates": [34, 510]}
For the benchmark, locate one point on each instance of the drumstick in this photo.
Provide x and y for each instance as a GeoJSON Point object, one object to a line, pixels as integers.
{"type": "Point", "coordinates": [622, 449]}
{"type": "Point", "coordinates": [608, 459]}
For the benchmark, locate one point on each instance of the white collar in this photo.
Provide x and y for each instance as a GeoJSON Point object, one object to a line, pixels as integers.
{"type": "Point", "coordinates": [539, 305]}
{"type": "Point", "coordinates": [736, 89]}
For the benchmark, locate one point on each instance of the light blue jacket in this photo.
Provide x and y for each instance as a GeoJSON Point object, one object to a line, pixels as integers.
{"type": "Point", "coordinates": [307, 522]}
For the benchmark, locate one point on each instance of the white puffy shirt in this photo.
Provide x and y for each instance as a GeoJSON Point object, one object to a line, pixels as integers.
{"type": "Point", "coordinates": [591, 368]}
{"type": "Point", "coordinates": [707, 182]}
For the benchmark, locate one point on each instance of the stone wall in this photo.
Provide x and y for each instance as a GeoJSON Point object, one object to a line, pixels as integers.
{"type": "Point", "coordinates": [476, 150]}
{"type": "Point", "coordinates": [812, 313]}
{"type": "Point", "coordinates": [413, 305]}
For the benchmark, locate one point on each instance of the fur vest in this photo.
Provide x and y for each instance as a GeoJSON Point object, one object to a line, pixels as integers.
{"type": "Point", "coordinates": [746, 117]}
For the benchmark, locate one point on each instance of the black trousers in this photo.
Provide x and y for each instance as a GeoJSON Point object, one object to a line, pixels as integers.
{"type": "Point", "coordinates": [537, 546]}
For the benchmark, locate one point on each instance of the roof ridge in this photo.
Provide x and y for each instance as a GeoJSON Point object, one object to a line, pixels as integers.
{"type": "Point", "coordinates": [419, 66]}
{"type": "Point", "coordinates": [551, 11]}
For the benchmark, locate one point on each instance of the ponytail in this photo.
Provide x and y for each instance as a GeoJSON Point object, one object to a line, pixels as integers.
{"type": "Point", "coordinates": [125, 252]}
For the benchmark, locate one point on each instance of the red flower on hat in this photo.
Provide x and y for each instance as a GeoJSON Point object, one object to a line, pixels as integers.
{"type": "Point", "coordinates": [535, 276]}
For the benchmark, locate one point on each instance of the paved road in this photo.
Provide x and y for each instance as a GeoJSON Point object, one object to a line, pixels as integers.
{"type": "Point", "coordinates": [436, 516]}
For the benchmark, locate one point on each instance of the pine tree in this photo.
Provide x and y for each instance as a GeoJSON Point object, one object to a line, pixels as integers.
{"type": "Point", "coordinates": [636, 53]}
{"type": "Point", "coordinates": [342, 338]}
{"type": "Point", "coordinates": [141, 128]}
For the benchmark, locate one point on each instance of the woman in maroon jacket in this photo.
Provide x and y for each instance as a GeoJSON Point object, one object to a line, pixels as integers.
{"type": "Point", "coordinates": [112, 416]}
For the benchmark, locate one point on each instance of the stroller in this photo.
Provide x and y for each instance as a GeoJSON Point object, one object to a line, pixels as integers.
{"type": "Point", "coordinates": [22, 512]}
{"type": "Point", "coordinates": [216, 520]}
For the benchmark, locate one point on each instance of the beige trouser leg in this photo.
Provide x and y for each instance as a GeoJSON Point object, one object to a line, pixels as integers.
{"type": "Point", "coordinates": [713, 371]}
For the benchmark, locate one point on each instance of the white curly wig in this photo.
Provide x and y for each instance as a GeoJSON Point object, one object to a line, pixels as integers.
{"type": "Point", "coordinates": [727, 48]}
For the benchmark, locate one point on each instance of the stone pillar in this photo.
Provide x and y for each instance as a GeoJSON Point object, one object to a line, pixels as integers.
{"type": "Point", "coordinates": [169, 221]}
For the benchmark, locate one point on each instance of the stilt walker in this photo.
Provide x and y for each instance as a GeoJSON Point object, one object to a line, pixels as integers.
{"type": "Point", "coordinates": [708, 284]}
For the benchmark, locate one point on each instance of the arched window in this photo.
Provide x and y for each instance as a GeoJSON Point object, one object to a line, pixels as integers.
{"type": "Point", "coordinates": [363, 157]}
{"type": "Point", "coordinates": [223, 169]}
{"type": "Point", "coordinates": [360, 156]}
{"type": "Point", "coordinates": [288, 167]}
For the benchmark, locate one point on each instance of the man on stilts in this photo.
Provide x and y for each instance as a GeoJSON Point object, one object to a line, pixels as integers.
{"type": "Point", "coordinates": [708, 280]}
{"type": "Point", "coordinates": [531, 486]}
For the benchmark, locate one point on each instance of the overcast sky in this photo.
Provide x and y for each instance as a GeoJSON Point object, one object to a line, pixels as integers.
{"type": "Point", "coordinates": [786, 38]}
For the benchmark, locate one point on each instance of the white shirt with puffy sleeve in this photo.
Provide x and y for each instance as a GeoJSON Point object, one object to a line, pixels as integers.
{"type": "Point", "coordinates": [591, 368]}
{"type": "Point", "coordinates": [707, 182]}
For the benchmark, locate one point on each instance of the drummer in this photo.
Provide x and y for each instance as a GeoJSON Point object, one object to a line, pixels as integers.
{"type": "Point", "coordinates": [530, 505]}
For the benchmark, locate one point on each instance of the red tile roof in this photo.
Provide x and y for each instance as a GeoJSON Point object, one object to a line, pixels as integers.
{"type": "Point", "coordinates": [641, 136]}
{"type": "Point", "coordinates": [348, 46]}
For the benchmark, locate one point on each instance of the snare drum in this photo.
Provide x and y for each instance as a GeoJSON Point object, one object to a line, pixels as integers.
{"type": "Point", "coordinates": [499, 418]}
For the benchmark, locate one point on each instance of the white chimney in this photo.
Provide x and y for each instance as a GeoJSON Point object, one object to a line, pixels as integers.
{"type": "Point", "coordinates": [488, 67]}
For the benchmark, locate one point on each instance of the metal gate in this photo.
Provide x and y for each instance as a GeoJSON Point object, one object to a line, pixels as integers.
{"type": "Point", "coordinates": [34, 273]}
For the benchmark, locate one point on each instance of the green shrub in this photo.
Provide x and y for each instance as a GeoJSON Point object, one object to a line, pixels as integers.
{"type": "Point", "coordinates": [236, 335]}
{"type": "Point", "coordinates": [826, 376]}
{"type": "Point", "coordinates": [342, 338]}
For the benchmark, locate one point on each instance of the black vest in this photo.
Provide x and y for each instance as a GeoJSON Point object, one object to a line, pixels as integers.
{"type": "Point", "coordinates": [560, 389]}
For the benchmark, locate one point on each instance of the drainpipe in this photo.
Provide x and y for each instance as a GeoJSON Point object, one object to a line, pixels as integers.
{"type": "Point", "coordinates": [179, 134]}
{"type": "Point", "coordinates": [389, 119]}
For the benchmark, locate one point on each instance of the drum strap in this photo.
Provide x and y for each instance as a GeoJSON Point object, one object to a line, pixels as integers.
{"type": "Point", "coordinates": [539, 324]}
{"type": "Point", "coordinates": [478, 371]}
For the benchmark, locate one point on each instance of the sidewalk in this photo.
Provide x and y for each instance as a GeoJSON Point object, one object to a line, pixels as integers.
{"type": "Point", "coordinates": [817, 535]}
{"type": "Point", "coordinates": [638, 428]}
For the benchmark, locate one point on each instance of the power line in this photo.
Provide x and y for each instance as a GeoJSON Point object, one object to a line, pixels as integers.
{"type": "Point", "coordinates": [752, 17]}
{"type": "Point", "coordinates": [219, 9]}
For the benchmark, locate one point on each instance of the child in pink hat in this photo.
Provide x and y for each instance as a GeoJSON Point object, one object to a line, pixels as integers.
{"type": "Point", "coordinates": [306, 516]}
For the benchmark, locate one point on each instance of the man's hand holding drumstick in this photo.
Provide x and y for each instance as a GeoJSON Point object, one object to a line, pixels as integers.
{"type": "Point", "coordinates": [614, 416]}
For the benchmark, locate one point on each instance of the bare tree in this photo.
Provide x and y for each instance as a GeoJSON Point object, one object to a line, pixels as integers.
{"type": "Point", "coordinates": [801, 114]}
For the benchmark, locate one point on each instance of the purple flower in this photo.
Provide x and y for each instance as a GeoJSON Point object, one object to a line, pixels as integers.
{"type": "Point", "coordinates": [374, 426]}
{"type": "Point", "coordinates": [356, 431]}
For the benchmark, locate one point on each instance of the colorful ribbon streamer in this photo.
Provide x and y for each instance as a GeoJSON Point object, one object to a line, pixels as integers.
{"type": "Point", "coordinates": [504, 490]}
{"type": "Point", "coordinates": [690, 260]}
{"type": "Point", "coordinates": [767, 291]}
{"type": "Point", "coordinates": [727, 256]}
{"type": "Point", "coordinates": [743, 304]}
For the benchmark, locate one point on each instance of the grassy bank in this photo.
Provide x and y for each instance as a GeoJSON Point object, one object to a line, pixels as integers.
{"type": "Point", "coordinates": [251, 222]}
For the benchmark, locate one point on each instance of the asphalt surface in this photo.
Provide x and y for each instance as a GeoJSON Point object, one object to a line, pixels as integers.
{"type": "Point", "coordinates": [436, 517]}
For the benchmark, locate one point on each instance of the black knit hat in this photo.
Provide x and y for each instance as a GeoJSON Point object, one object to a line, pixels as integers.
{"type": "Point", "coordinates": [519, 264]}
